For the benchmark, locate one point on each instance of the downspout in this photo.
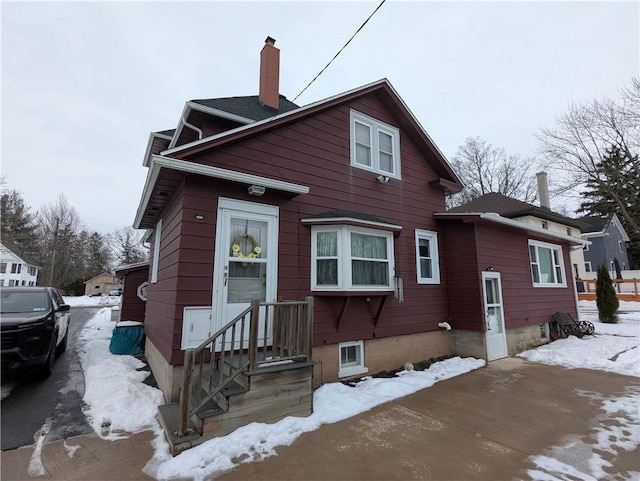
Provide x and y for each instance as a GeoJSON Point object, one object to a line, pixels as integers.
{"type": "Point", "coordinates": [193, 127]}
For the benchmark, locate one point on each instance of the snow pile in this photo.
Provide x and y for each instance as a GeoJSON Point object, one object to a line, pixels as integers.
{"type": "Point", "coordinates": [92, 301]}
{"type": "Point", "coordinates": [613, 347]}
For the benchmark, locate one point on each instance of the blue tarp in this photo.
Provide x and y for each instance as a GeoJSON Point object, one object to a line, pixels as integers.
{"type": "Point", "coordinates": [127, 339]}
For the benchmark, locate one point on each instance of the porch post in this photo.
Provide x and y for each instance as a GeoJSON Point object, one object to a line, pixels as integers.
{"type": "Point", "coordinates": [309, 321]}
{"type": "Point", "coordinates": [254, 320]}
{"type": "Point", "coordinates": [185, 393]}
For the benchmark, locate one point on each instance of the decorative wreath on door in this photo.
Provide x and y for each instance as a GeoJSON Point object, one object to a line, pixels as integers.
{"type": "Point", "coordinates": [252, 253]}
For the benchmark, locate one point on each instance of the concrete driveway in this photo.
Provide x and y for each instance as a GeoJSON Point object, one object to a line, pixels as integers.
{"type": "Point", "coordinates": [483, 425]}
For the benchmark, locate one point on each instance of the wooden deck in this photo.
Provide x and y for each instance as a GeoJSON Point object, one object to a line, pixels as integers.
{"type": "Point", "coordinates": [626, 289]}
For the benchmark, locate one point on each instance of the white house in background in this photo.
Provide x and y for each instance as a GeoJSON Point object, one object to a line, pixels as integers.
{"type": "Point", "coordinates": [16, 268]}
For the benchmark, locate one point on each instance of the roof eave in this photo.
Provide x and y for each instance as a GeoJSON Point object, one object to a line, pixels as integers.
{"type": "Point", "coordinates": [498, 219]}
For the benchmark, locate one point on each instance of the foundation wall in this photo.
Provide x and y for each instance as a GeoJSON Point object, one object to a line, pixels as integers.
{"type": "Point", "coordinates": [469, 343]}
{"type": "Point", "coordinates": [169, 378]}
{"type": "Point", "coordinates": [383, 354]}
{"type": "Point", "coordinates": [522, 338]}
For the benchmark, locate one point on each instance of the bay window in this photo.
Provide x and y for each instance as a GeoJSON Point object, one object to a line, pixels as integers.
{"type": "Point", "coordinates": [349, 258]}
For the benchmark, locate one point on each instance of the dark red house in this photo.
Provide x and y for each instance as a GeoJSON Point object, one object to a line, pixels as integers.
{"type": "Point", "coordinates": [135, 280]}
{"type": "Point", "coordinates": [342, 200]}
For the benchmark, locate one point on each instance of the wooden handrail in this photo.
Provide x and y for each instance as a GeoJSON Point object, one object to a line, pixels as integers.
{"type": "Point", "coordinates": [289, 324]}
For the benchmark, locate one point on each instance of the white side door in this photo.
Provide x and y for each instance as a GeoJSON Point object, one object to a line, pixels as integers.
{"type": "Point", "coordinates": [496, 337]}
{"type": "Point", "coordinates": [245, 262]}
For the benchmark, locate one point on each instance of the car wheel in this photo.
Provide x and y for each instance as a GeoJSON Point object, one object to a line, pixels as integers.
{"type": "Point", "coordinates": [47, 367]}
{"type": "Point", "coordinates": [63, 344]}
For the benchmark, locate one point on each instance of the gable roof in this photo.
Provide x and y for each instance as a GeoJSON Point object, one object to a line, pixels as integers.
{"type": "Point", "coordinates": [512, 208]}
{"type": "Point", "coordinates": [598, 225]}
{"type": "Point", "coordinates": [19, 252]}
{"type": "Point", "coordinates": [166, 170]}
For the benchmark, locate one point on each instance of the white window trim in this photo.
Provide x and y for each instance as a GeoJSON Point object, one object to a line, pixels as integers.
{"type": "Point", "coordinates": [375, 126]}
{"type": "Point", "coordinates": [621, 247]}
{"type": "Point", "coordinates": [156, 252]}
{"type": "Point", "coordinates": [345, 281]}
{"type": "Point", "coordinates": [587, 266]}
{"type": "Point", "coordinates": [356, 370]}
{"type": "Point", "coordinates": [432, 237]}
{"type": "Point", "coordinates": [556, 247]}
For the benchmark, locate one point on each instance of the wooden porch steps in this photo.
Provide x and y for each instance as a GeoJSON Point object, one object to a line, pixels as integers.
{"type": "Point", "coordinates": [271, 393]}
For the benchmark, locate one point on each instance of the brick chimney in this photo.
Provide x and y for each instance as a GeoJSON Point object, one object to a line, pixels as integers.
{"type": "Point", "coordinates": [269, 94]}
{"type": "Point", "coordinates": [543, 190]}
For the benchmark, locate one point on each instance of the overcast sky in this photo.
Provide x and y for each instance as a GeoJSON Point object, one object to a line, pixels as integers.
{"type": "Point", "coordinates": [83, 84]}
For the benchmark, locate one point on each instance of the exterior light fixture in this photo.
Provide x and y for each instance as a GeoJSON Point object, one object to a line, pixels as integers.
{"type": "Point", "coordinates": [256, 190]}
{"type": "Point", "coordinates": [383, 179]}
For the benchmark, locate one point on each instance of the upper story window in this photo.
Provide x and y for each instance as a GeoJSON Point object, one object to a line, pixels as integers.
{"type": "Point", "coordinates": [16, 268]}
{"type": "Point", "coordinates": [547, 266]}
{"type": "Point", "coordinates": [3, 267]}
{"type": "Point", "coordinates": [545, 224]}
{"type": "Point", "coordinates": [350, 258]}
{"type": "Point", "coordinates": [374, 146]}
{"type": "Point", "coordinates": [427, 262]}
{"type": "Point", "coordinates": [621, 247]}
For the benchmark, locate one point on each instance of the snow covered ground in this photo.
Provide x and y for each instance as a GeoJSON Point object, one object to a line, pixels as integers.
{"type": "Point", "coordinates": [114, 385]}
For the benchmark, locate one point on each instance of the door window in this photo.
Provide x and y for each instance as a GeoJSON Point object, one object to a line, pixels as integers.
{"type": "Point", "coordinates": [247, 274]}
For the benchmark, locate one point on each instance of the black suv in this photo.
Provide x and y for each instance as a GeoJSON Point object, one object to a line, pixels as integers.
{"type": "Point", "coordinates": [34, 327]}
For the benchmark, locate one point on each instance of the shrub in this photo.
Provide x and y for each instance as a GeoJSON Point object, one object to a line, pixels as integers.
{"type": "Point", "coordinates": [606, 299]}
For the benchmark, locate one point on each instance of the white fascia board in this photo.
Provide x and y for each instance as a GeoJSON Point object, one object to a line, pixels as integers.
{"type": "Point", "coordinates": [594, 234]}
{"type": "Point", "coordinates": [225, 174]}
{"type": "Point", "coordinates": [150, 182]}
{"type": "Point", "coordinates": [349, 220]}
{"type": "Point", "coordinates": [180, 125]}
{"type": "Point", "coordinates": [619, 226]}
{"type": "Point", "coordinates": [132, 266]}
{"type": "Point", "coordinates": [498, 219]}
{"type": "Point", "coordinates": [219, 113]}
{"type": "Point", "coordinates": [158, 162]}
{"type": "Point", "coordinates": [147, 151]}
{"type": "Point", "coordinates": [195, 143]}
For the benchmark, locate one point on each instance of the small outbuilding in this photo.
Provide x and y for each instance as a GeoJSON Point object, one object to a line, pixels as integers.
{"type": "Point", "coordinates": [101, 284]}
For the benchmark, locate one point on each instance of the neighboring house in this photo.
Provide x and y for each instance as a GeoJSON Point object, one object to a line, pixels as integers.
{"type": "Point", "coordinates": [101, 284]}
{"type": "Point", "coordinates": [16, 267]}
{"type": "Point", "coordinates": [608, 244]}
{"type": "Point", "coordinates": [135, 279]}
{"type": "Point", "coordinates": [342, 200]}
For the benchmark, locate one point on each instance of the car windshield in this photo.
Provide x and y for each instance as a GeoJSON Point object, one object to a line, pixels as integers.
{"type": "Point", "coordinates": [22, 302]}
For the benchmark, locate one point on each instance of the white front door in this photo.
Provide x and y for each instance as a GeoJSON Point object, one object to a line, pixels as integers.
{"type": "Point", "coordinates": [496, 337]}
{"type": "Point", "coordinates": [246, 259]}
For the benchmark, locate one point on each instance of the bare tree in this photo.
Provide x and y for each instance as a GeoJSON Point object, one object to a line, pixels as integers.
{"type": "Point", "coordinates": [579, 142]}
{"type": "Point", "coordinates": [484, 169]}
{"type": "Point", "coordinates": [126, 245]}
{"type": "Point", "coordinates": [58, 230]}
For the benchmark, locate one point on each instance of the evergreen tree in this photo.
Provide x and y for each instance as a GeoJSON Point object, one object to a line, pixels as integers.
{"type": "Point", "coordinates": [606, 298]}
{"type": "Point", "coordinates": [615, 188]}
{"type": "Point", "coordinates": [18, 224]}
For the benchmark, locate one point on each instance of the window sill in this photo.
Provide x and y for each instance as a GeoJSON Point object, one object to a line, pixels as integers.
{"type": "Point", "coordinates": [386, 292]}
{"type": "Point", "coordinates": [352, 371]}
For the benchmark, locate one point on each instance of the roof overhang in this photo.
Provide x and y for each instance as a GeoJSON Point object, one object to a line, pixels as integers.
{"type": "Point", "coordinates": [355, 221]}
{"type": "Point", "coordinates": [497, 219]}
{"type": "Point", "coordinates": [160, 163]}
{"type": "Point", "coordinates": [130, 267]}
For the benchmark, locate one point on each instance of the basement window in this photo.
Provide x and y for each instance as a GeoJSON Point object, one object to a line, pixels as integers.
{"type": "Point", "coordinates": [352, 359]}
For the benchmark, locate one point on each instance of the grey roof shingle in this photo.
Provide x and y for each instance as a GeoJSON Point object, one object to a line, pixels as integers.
{"type": "Point", "coordinates": [512, 208]}
{"type": "Point", "coordinates": [248, 106]}
{"type": "Point", "coordinates": [595, 223]}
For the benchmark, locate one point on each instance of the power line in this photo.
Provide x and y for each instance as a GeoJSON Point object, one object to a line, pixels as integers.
{"type": "Point", "coordinates": [340, 51]}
